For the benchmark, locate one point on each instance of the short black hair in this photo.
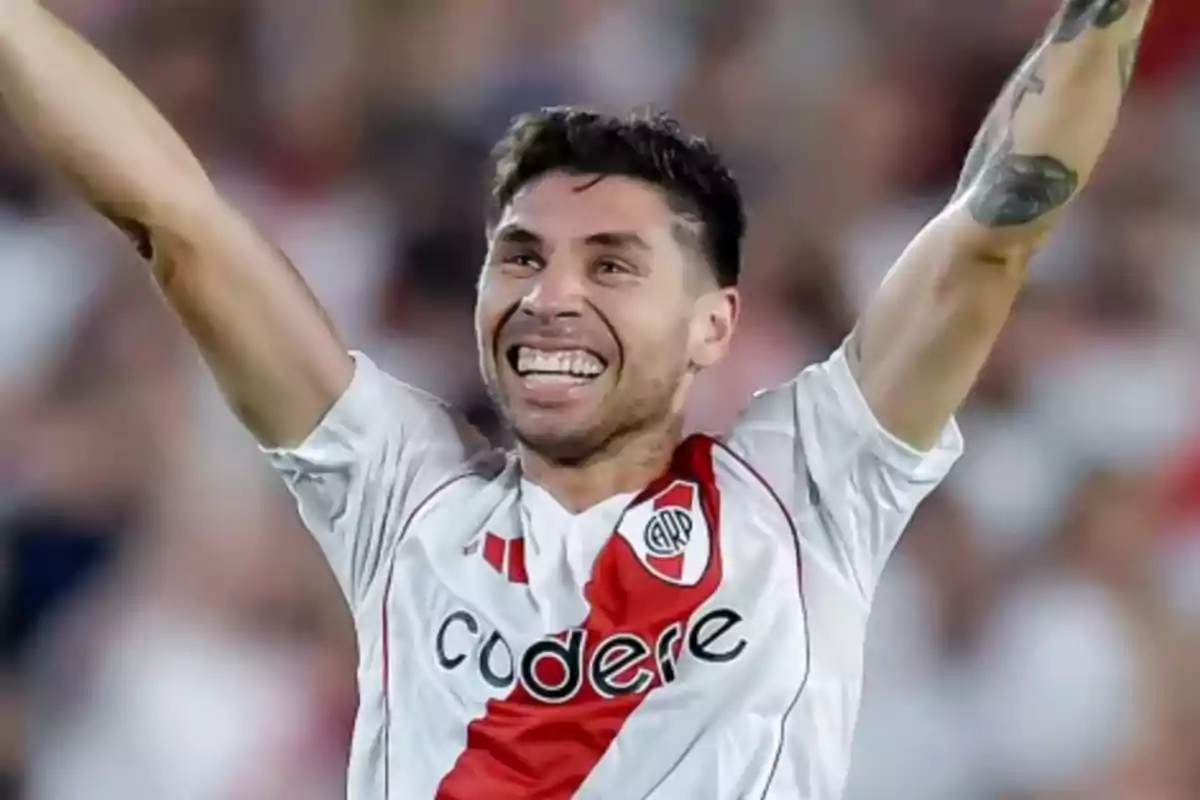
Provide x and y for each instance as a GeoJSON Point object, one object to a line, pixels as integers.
{"type": "Point", "coordinates": [649, 146]}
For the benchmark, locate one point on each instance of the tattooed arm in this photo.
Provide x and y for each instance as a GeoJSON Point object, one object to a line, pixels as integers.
{"type": "Point", "coordinates": [924, 338]}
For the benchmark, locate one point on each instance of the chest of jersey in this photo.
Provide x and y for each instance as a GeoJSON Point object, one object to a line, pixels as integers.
{"type": "Point", "coordinates": [534, 650]}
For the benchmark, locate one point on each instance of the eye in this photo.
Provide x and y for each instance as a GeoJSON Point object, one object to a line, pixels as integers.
{"type": "Point", "coordinates": [523, 260]}
{"type": "Point", "coordinates": [612, 266]}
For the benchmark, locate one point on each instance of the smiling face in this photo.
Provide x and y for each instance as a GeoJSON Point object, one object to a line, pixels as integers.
{"type": "Point", "coordinates": [595, 310]}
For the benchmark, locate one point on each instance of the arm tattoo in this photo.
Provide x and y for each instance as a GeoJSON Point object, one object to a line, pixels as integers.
{"type": "Point", "coordinates": [1019, 189]}
{"type": "Point", "coordinates": [1127, 60]}
{"type": "Point", "coordinates": [137, 232]}
{"type": "Point", "coordinates": [1010, 188]}
{"type": "Point", "coordinates": [979, 156]}
{"type": "Point", "coordinates": [1080, 15]}
{"type": "Point", "coordinates": [995, 133]}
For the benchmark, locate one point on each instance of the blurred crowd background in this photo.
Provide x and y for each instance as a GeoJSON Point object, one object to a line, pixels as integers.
{"type": "Point", "coordinates": [170, 631]}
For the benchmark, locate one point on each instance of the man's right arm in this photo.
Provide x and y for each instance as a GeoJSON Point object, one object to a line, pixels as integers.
{"type": "Point", "coordinates": [273, 351]}
{"type": "Point", "coordinates": [359, 451]}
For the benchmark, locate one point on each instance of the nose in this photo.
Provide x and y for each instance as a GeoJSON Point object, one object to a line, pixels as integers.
{"type": "Point", "coordinates": [555, 293]}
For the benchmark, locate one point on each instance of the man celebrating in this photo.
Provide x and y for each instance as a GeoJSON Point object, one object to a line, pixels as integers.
{"type": "Point", "coordinates": [609, 611]}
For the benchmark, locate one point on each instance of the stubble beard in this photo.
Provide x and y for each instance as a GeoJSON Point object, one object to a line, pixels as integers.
{"type": "Point", "coordinates": [616, 422]}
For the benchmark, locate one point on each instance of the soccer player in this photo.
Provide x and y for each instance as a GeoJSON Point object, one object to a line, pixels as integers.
{"type": "Point", "coordinates": [609, 611]}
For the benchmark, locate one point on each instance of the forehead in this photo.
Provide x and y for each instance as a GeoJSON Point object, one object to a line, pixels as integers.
{"type": "Point", "coordinates": [562, 206]}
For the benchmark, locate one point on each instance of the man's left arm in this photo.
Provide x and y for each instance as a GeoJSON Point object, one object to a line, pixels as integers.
{"type": "Point", "coordinates": [925, 336]}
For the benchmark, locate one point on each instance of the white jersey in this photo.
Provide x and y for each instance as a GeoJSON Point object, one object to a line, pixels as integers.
{"type": "Point", "coordinates": [700, 640]}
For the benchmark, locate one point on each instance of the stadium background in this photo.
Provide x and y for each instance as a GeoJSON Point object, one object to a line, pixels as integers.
{"type": "Point", "coordinates": [169, 630]}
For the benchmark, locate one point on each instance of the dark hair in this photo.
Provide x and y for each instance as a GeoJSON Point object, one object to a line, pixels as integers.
{"type": "Point", "coordinates": [650, 147]}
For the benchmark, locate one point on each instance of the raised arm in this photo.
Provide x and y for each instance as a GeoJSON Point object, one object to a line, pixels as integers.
{"type": "Point", "coordinates": [924, 338]}
{"type": "Point", "coordinates": [272, 349]}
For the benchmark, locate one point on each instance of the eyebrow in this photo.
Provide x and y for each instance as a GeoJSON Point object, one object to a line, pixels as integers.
{"type": "Point", "coordinates": [623, 240]}
{"type": "Point", "coordinates": [515, 234]}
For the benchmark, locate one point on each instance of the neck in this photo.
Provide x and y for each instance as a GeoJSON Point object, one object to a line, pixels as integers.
{"type": "Point", "coordinates": [628, 464]}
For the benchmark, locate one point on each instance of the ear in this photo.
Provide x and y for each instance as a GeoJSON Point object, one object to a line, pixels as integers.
{"type": "Point", "coordinates": [713, 324]}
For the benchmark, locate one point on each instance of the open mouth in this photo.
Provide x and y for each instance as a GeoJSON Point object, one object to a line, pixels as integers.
{"type": "Point", "coordinates": [550, 367]}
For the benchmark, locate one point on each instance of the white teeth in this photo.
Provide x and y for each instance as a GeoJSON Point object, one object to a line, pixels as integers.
{"type": "Point", "coordinates": [573, 363]}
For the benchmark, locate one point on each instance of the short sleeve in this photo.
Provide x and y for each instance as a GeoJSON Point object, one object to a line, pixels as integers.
{"type": "Point", "coordinates": [850, 484]}
{"type": "Point", "coordinates": [376, 455]}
